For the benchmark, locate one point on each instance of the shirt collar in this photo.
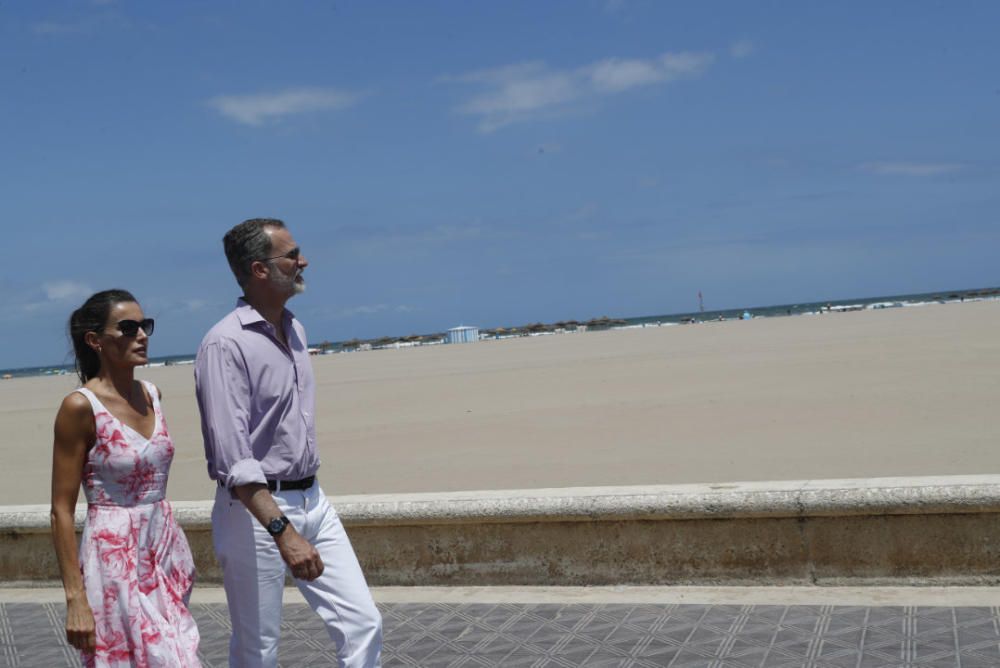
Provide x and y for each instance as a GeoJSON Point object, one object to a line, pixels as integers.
{"type": "Point", "coordinates": [247, 314]}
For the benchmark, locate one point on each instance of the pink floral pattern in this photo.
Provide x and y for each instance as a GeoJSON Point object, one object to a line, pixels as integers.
{"type": "Point", "coordinates": [136, 563]}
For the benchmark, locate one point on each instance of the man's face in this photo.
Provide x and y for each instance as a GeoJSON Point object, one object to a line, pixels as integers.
{"type": "Point", "coordinates": [286, 263]}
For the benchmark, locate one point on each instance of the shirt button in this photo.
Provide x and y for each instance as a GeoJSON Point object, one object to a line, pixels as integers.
{"type": "Point", "coordinates": [305, 414]}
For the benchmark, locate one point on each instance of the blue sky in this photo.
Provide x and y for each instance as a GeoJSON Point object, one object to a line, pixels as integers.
{"type": "Point", "coordinates": [492, 163]}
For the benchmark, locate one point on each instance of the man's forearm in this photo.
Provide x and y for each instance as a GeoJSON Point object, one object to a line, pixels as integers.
{"type": "Point", "coordinates": [302, 558]}
{"type": "Point", "coordinates": [258, 500]}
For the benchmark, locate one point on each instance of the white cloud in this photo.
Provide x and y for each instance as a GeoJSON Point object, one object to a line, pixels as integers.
{"type": "Point", "coordinates": [49, 297]}
{"type": "Point", "coordinates": [742, 49]}
{"type": "Point", "coordinates": [528, 90]}
{"type": "Point", "coordinates": [615, 75]}
{"type": "Point", "coordinates": [911, 168]}
{"type": "Point", "coordinates": [258, 108]}
{"type": "Point", "coordinates": [66, 290]}
{"type": "Point", "coordinates": [517, 89]}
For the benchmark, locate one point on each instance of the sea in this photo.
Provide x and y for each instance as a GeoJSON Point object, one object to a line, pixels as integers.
{"type": "Point", "coordinates": [779, 310]}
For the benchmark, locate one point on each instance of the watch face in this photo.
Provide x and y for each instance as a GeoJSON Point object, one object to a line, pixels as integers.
{"type": "Point", "coordinates": [275, 526]}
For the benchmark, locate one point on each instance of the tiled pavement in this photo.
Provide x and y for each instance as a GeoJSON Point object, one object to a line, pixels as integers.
{"type": "Point", "coordinates": [571, 635]}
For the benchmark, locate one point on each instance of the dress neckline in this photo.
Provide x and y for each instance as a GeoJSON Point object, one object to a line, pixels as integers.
{"type": "Point", "coordinates": [156, 412]}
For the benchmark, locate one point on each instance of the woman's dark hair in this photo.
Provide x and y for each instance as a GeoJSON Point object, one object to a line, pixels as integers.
{"type": "Point", "coordinates": [91, 317]}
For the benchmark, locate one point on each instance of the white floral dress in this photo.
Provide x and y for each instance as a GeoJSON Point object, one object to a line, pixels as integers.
{"type": "Point", "coordinates": [136, 564]}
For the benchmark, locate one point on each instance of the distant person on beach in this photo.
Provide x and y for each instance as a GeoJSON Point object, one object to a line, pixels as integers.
{"type": "Point", "coordinates": [127, 587]}
{"type": "Point", "coordinates": [255, 388]}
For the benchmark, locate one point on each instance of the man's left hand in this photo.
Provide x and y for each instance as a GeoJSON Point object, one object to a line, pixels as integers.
{"type": "Point", "coordinates": [301, 556]}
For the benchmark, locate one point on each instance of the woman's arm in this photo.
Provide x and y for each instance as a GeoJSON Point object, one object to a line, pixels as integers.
{"type": "Point", "coordinates": [74, 434]}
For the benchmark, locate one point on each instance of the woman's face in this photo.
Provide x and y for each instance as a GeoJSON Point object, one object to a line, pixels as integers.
{"type": "Point", "coordinates": [115, 346]}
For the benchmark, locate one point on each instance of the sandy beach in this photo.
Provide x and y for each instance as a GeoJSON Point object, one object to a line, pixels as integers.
{"type": "Point", "coordinates": [908, 391]}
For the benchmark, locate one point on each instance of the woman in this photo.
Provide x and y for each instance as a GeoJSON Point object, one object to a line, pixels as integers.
{"type": "Point", "coordinates": [129, 608]}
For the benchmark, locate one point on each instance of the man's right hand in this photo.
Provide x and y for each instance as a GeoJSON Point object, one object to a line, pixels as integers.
{"type": "Point", "coordinates": [302, 558]}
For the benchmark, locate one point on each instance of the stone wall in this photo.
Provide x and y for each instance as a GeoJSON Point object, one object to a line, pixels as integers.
{"type": "Point", "coordinates": [934, 530]}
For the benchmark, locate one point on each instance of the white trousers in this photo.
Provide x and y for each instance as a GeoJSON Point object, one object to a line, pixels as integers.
{"type": "Point", "coordinates": [254, 579]}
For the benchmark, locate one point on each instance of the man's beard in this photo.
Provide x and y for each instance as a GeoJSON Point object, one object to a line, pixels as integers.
{"type": "Point", "coordinates": [286, 283]}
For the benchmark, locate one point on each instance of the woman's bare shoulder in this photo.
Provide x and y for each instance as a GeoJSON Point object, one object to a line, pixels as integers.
{"type": "Point", "coordinates": [75, 407]}
{"type": "Point", "coordinates": [75, 402]}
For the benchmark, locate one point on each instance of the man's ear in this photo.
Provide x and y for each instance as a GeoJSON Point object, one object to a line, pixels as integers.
{"type": "Point", "coordinates": [259, 269]}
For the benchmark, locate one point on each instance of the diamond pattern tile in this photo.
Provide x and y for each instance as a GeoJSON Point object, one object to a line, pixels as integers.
{"type": "Point", "coordinates": [567, 636]}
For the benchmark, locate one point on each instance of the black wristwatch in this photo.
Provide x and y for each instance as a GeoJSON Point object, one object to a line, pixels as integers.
{"type": "Point", "coordinates": [277, 525]}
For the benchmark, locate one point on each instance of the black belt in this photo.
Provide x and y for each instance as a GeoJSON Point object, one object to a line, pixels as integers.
{"type": "Point", "coordinates": [275, 485]}
{"type": "Point", "coordinates": [305, 483]}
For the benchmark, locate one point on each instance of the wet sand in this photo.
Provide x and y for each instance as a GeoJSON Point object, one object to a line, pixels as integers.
{"type": "Point", "coordinates": [909, 391]}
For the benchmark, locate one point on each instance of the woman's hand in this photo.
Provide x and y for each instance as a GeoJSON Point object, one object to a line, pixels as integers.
{"type": "Point", "coordinates": [80, 625]}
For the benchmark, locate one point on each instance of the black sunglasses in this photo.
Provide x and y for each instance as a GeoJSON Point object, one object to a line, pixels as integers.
{"type": "Point", "coordinates": [132, 327]}
{"type": "Point", "coordinates": [291, 255]}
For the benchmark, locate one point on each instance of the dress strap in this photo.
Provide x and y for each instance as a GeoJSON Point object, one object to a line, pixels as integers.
{"type": "Point", "coordinates": [154, 395]}
{"type": "Point", "coordinates": [95, 403]}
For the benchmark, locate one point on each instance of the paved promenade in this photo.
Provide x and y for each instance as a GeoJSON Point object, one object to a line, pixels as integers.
{"type": "Point", "coordinates": [583, 629]}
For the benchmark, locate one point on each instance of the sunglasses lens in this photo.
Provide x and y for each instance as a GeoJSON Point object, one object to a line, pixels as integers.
{"type": "Point", "coordinates": [131, 327]}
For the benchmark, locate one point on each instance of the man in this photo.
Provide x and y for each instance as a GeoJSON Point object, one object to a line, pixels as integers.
{"type": "Point", "coordinates": [255, 389]}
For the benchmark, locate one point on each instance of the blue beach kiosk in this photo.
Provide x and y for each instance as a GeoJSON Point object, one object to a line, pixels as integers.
{"type": "Point", "coordinates": [463, 334]}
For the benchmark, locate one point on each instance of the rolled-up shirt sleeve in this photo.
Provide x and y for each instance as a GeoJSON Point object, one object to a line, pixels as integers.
{"type": "Point", "coordinates": [223, 391]}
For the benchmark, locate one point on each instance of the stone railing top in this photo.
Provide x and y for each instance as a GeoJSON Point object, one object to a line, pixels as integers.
{"type": "Point", "coordinates": [793, 498]}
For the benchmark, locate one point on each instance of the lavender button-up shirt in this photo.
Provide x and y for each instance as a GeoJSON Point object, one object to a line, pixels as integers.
{"type": "Point", "coordinates": [257, 400]}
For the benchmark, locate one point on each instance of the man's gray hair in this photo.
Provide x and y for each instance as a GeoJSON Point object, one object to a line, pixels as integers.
{"type": "Point", "coordinates": [247, 243]}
